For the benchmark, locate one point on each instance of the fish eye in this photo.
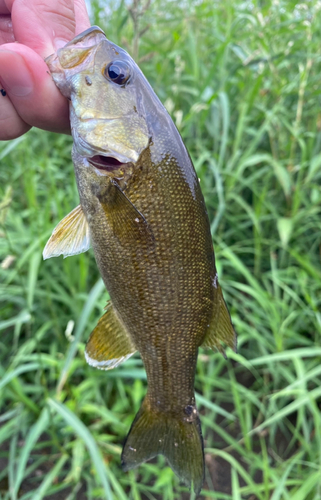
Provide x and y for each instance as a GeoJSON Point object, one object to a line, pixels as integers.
{"type": "Point", "coordinates": [118, 72]}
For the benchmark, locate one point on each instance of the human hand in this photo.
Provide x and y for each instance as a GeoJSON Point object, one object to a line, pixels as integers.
{"type": "Point", "coordinates": [30, 97]}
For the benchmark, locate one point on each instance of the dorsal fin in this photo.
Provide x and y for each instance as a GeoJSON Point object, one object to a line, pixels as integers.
{"type": "Point", "coordinates": [109, 343]}
{"type": "Point", "coordinates": [221, 330]}
{"type": "Point", "coordinates": [70, 237]}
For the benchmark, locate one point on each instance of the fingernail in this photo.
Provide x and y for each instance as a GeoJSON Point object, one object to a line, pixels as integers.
{"type": "Point", "coordinates": [14, 74]}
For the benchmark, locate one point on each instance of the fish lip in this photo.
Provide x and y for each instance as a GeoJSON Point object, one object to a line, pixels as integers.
{"type": "Point", "coordinates": [88, 150]}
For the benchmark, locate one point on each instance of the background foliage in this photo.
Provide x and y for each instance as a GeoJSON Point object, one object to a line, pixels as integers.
{"type": "Point", "coordinates": [241, 80]}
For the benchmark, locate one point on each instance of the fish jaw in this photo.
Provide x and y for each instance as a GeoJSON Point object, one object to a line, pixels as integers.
{"type": "Point", "coordinates": [107, 119]}
{"type": "Point", "coordinates": [110, 137]}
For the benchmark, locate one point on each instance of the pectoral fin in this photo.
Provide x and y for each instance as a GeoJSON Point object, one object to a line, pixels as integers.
{"type": "Point", "coordinates": [70, 237]}
{"type": "Point", "coordinates": [128, 223]}
{"type": "Point", "coordinates": [109, 344]}
{"type": "Point", "coordinates": [221, 331]}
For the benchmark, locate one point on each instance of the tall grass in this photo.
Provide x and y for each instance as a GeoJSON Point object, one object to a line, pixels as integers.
{"type": "Point", "coordinates": [241, 81]}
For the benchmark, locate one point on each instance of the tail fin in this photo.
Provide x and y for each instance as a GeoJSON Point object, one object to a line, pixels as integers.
{"type": "Point", "coordinates": [179, 439]}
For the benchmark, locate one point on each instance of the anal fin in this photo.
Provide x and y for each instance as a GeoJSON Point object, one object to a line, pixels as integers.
{"type": "Point", "coordinates": [221, 330]}
{"type": "Point", "coordinates": [70, 236]}
{"type": "Point", "coordinates": [109, 343]}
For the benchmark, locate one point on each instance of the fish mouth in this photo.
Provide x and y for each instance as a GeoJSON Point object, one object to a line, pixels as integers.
{"type": "Point", "coordinates": [107, 163]}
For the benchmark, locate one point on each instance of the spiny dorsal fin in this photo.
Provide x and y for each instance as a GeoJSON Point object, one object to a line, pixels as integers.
{"type": "Point", "coordinates": [221, 330]}
{"type": "Point", "coordinates": [109, 344]}
{"type": "Point", "coordinates": [70, 237]}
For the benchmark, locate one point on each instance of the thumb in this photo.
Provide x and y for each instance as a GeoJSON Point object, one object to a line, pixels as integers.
{"type": "Point", "coordinates": [43, 25]}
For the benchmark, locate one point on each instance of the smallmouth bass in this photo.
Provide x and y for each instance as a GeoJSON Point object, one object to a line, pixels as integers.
{"type": "Point", "coordinates": [142, 210]}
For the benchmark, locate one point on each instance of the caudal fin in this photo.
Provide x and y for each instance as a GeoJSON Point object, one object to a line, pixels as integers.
{"type": "Point", "coordinates": [179, 439]}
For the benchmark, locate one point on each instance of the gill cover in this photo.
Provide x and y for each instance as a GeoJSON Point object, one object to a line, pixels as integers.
{"type": "Point", "coordinates": [107, 114]}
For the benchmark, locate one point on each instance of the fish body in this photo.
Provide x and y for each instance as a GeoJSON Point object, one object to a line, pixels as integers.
{"type": "Point", "coordinates": [142, 209]}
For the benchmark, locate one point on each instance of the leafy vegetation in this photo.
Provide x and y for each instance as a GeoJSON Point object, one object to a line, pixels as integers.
{"type": "Point", "coordinates": [241, 80]}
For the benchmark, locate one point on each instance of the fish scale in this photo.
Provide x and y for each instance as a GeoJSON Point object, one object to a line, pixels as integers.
{"type": "Point", "coordinates": [141, 204]}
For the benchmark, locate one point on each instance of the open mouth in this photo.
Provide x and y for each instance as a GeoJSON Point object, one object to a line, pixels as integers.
{"type": "Point", "coordinates": [106, 163]}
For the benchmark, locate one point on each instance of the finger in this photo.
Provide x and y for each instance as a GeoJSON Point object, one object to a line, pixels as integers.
{"type": "Point", "coordinates": [81, 16]}
{"type": "Point", "coordinates": [3, 8]}
{"type": "Point", "coordinates": [31, 90]}
{"type": "Point", "coordinates": [11, 124]}
{"type": "Point", "coordinates": [6, 31]}
{"type": "Point", "coordinates": [44, 25]}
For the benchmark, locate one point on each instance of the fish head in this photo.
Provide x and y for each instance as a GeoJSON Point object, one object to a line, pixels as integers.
{"type": "Point", "coordinates": [107, 115]}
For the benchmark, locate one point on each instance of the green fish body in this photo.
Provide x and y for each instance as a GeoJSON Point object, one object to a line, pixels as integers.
{"type": "Point", "coordinates": [142, 210]}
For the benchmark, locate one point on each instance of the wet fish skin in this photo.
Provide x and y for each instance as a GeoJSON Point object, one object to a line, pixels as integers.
{"type": "Point", "coordinates": [151, 238]}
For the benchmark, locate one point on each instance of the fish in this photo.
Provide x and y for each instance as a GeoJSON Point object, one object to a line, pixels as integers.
{"type": "Point", "coordinates": [143, 213]}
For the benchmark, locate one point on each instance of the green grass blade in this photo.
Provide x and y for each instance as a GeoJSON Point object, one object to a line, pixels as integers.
{"type": "Point", "coordinates": [36, 430]}
{"type": "Point", "coordinates": [81, 431]}
{"type": "Point", "coordinates": [307, 487]}
{"type": "Point", "coordinates": [18, 371]}
{"type": "Point", "coordinates": [82, 322]}
{"type": "Point", "coordinates": [41, 492]}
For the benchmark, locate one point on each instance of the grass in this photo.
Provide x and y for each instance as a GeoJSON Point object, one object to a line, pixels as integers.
{"type": "Point", "coordinates": [241, 80]}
